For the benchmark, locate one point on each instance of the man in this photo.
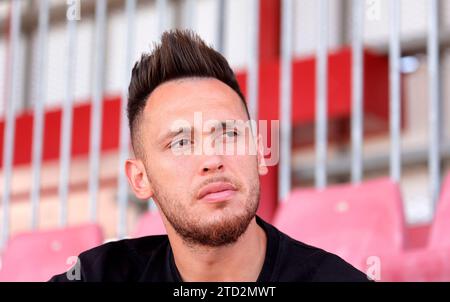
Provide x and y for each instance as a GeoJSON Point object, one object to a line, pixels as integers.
{"type": "Point", "coordinates": [207, 197]}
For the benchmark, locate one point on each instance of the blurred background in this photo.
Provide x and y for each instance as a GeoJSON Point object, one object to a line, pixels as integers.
{"type": "Point", "coordinates": [360, 88]}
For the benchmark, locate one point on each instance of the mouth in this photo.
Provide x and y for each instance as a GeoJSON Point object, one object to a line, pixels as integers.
{"type": "Point", "coordinates": [217, 192]}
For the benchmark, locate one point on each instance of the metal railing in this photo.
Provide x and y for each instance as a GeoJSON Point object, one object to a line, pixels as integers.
{"type": "Point", "coordinates": [285, 104]}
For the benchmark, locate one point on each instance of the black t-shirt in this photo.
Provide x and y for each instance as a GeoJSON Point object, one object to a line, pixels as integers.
{"type": "Point", "coordinates": [150, 259]}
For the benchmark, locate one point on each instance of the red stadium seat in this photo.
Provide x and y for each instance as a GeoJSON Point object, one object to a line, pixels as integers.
{"type": "Point", "coordinates": [150, 224]}
{"type": "Point", "coordinates": [38, 255]}
{"type": "Point", "coordinates": [352, 221]}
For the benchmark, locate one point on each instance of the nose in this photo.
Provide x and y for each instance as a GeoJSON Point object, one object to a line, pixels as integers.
{"type": "Point", "coordinates": [212, 164]}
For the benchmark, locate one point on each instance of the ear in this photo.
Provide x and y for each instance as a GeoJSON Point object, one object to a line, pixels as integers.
{"type": "Point", "coordinates": [262, 167]}
{"type": "Point", "coordinates": [137, 178]}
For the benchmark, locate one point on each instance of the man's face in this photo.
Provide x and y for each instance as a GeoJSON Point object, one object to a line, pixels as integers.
{"type": "Point", "coordinates": [179, 169]}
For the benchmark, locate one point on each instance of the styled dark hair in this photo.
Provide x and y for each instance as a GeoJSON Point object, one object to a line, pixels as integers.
{"type": "Point", "coordinates": [181, 54]}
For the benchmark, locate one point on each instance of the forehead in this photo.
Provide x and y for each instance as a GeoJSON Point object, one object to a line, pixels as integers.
{"type": "Point", "coordinates": [181, 99]}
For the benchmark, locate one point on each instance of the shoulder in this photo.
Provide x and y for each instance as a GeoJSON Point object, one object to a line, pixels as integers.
{"type": "Point", "coordinates": [118, 260]}
{"type": "Point", "coordinates": [332, 268]}
{"type": "Point", "coordinates": [298, 261]}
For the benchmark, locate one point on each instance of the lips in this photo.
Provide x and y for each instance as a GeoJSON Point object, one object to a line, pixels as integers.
{"type": "Point", "coordinates": [216, 188]}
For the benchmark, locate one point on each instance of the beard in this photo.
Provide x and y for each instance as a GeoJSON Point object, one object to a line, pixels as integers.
{"type": "Point", "coordinates": [216, 230]}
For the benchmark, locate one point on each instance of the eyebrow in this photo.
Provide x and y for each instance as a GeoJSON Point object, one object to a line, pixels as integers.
{"type": "Point", "coordinates": [173, 133]}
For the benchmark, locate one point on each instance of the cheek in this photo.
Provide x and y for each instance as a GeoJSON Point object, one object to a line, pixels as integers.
{"type": "Point", "coordinates": [246, 167]}
{"type": "Point", "coordinates": [172, 184]}
{"type": "Point", "coordinates": [174, 171]}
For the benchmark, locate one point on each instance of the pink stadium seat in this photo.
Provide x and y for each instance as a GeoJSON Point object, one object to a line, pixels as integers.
{"type": "Point", "coordinates": [440, 230]}
{"type": "Point", "coordinates": [38, 255]}
{"type": "Point", "coordinates": [352, 221]}
{"type": "Point", "coordinates": [430, 263]}
{"type": "Point", "coordinates": [419, 265]}
{"type": "Point", "coordinates": [149, 224]}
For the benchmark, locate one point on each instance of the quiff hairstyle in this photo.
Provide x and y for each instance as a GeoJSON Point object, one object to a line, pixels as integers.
{"type": "Point", "coordinates": [181, 54]}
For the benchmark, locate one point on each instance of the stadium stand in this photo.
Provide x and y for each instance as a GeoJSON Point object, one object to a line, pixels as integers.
{"type": "Point", "coordinates": [38, 255]}
{"type": "Point", "coordinates": [149, 224]}
{"type": "Point", "coordinates": [352, 221]}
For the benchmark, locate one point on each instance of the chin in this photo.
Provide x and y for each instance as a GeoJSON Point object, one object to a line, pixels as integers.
{"type": "Point", "coordinates": [224, 214]}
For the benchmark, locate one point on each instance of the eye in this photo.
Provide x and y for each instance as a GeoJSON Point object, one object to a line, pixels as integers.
{"type": "Point", "coordinates": [232, 133]}
{"type": "Point", "coordinates": [180, 143]}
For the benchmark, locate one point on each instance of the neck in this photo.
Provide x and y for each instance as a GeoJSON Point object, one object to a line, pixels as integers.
{"type": "Point", "coordinates": [240, 261]}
